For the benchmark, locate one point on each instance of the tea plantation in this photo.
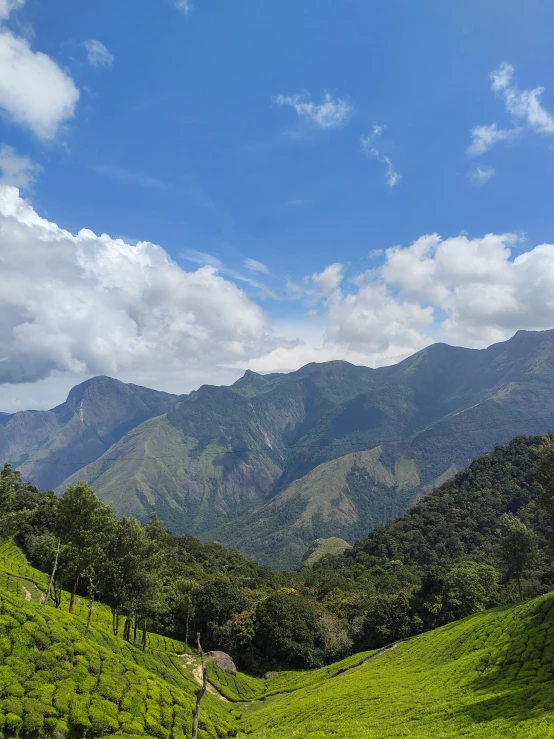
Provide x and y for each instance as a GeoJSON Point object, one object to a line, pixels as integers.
{"type": "Point", "coordinates": [490, 676]}
{"type": "Point", "coordinates": [54, 682]}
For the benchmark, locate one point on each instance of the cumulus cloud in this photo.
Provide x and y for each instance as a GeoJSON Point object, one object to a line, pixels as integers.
{"type": "Point", "coordinates": [329, 280]}
{"type": "Point", "coordinates": [371, 148]}
{"type": "Point", "coordinates": [372, 319]}
{"type": "Point", "coordinates": [34, 91]}
{"type": "Point", "coordinates": [8, 6]}
{"type": "Point", "coordinates": [331, 113]}
{"type": "Point", "coordinates": [16, 170]}
{"type": "Point", "coordinates": [469, 292]}
{"type": "Point", "coordinates": [481, 175]}
{"type": "Point", "coordinates": [480, 292]}
{"type": "Point", "coordinates": [97, 54]}
{"type": "Point", "coordinates": [89, 304]}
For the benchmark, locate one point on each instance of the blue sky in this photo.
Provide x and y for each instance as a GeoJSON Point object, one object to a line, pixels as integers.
{"type": "Point", "coordinates": [201, 129]}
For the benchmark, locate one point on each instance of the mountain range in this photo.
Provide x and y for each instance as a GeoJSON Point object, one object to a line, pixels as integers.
{"type": "Point", "coordinates": [275, 461]}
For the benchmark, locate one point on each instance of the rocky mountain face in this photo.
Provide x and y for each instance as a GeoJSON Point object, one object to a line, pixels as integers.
{"type": "Point", "coordinates": [276, 461]}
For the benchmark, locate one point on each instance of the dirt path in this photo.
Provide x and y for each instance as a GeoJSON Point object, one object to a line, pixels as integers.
{"type": "Point", "coordinates": [190, 661]}
{"type": "Point", "coordinates": [26, 594]}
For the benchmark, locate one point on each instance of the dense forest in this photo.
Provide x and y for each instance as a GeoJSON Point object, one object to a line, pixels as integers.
{"type": "Point", "coordinates": [479, 540]}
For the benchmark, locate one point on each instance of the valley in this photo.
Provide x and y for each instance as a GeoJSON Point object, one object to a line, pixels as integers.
{"type": "Point", "coordinates": [276, 461]}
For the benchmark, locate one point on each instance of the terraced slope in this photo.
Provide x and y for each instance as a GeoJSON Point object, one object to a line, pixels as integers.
{"type": "Point", "coordinates": [490, 676]}
{"type": "Point", "coordinates": [56, 682]}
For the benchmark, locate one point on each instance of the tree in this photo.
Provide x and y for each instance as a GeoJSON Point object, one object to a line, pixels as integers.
{"type": "Point", "coordinates": [334, 637]}
{"type": "Point", "coordinates": [468, 588]}
{"type": "Point", "coordinates": [286, 632]}
{"type": "Point", "coordinates": [545, 473]}
{"type": "Point", "coordinates": [518, 547]}
{"type": "Point", "coordinates": [84, 524]}
{"type": "Point", "coordinates": [132, 579]}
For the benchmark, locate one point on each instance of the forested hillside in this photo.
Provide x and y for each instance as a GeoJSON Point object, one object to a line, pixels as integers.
{"type": "Point", "coordinates": [276, 461]}
{"type": "Point", "coordinates": [447, 558]}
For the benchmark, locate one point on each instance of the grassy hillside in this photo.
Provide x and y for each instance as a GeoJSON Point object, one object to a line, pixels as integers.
{"type": "Point", "coordinates": [486, 677]}
{"type": "Point", "coordinates": [321, 547]}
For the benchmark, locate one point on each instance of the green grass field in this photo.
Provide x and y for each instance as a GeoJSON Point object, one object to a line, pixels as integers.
{"type": "Point", "coordinates": [490, 676]}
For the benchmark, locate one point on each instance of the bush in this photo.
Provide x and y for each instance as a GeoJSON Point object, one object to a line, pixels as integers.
{"type": "Point", "coordinates": [13, 723]}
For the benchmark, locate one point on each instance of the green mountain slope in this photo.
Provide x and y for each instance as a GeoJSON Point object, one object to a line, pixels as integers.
{"type": "Point", "coordinates": [269, 464]}
{"type": "Point", "coordinates": [486, 677]}
{"type": "Point", "coordinates": [345, 497]}
{"type": "Point", "coordinates": [48, 446]}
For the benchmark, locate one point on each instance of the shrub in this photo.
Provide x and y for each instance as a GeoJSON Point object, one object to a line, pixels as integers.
{"type": "Point", "coordinates": [13, 723]}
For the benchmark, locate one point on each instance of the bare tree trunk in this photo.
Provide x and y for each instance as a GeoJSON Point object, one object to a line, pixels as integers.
{"type": "Point", "coordinates": [144, 636]}
{"type": "Point", "coordinates": [127, 629]}
{"type": "Point", "coordinates": [57, 595]}
{"type": "Point", "coordinates": [50, 582]}
{"type": "Point", "coordinates": [200, 692]}
{"type": "Point", "coordinates": [518, 578]}
{"type": "Point", "coordinates": [187, 631]}
{"type": "Point", "coordinates": [72, 599]}
{"type": "Point", "coordinates": [91, 591]}
{"type": "Point", "coordinates": [135, 632]}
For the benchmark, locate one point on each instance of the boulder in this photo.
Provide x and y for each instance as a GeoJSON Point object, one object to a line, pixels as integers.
{"type": "Point", "coordinates": [224, 662]}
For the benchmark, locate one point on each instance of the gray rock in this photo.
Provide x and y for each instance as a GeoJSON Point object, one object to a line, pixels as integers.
{"type": "Point", "coordinates": [224, 662]}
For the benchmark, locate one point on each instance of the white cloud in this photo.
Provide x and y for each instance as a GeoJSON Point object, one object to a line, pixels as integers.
{"type": "Point", "coordinates": [371, 149]}
{"type": "Point", "coordinates": [255, 266]}
{"type": "Point", "coordinates": [376, 253]}
{"type": "Point", "coordinates": [481, 292]}
{"type": "Point", "coordinates": [481, 175]}
{"type": "Point", "coordinates": [330, 113]}
{"type": "Point", "coordinates": [8, 6]}
{"type": "Point", "coordinates": [185, 6]}
{"type": "Point", "coordinates": [484, 138]}
{"type": "Point", "coordinates": [97, 54]}
{"type": "Point", "coordinates": [329, 280]}
{"type": "Point", "coordinates": [16, 170]}
{"type": "Point", "coordinates": [522, 104]}
{"type": "Point", "coordinates": [34, 91]}
{"type": "Point", "coordinates": [372, 319]}
{"type": "Point", "coordinates": [88, 304]}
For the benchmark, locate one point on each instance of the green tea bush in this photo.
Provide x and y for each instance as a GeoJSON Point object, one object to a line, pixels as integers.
{"type": "Point", "coordinates": [54, 683]}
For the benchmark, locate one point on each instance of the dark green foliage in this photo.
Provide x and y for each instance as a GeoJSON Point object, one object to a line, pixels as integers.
{"type": "Point", "coordinates": [462, 516]}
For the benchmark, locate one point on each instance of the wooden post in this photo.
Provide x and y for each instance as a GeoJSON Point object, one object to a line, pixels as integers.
{"type": "Point", "coordinates": [201, 690]}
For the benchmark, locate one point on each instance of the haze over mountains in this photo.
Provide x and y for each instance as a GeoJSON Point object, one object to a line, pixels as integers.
{"type": "Point", "coordinates": [275, 461]}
